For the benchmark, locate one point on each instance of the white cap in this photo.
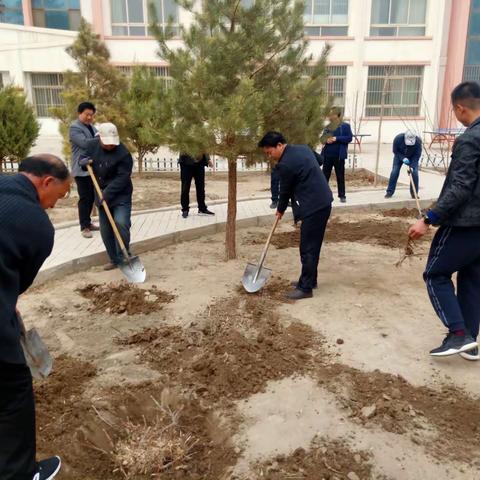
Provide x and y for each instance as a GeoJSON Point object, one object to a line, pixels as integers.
{"type": "Point", "coordinates": [410, 138]}
{"type": "Point", "coordinates": [108, 134]}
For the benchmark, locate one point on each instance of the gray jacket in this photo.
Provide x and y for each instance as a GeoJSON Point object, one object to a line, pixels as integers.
{"type": "Point", "coordinates": [459, 201]}
{"type": "Point", "coordinates": [80, 139]}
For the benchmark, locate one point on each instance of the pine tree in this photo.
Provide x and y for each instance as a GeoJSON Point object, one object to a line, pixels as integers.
{"type": "Point", "coordinates": [96, 81]}
{"type": "Point", "coordinates": [18, 125]}
{"type": "Point", "coordinates": [242, 71]}
{"type": "Point", "coordinates": [147, 112]}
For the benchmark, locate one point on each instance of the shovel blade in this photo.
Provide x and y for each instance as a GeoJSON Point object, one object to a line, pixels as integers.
{"type": "Point", "coordinates": [252, 285]}
{"type": "Point", "coordinates": [133, 270]}
{"type": "Point", "coordinates": [36, 353]}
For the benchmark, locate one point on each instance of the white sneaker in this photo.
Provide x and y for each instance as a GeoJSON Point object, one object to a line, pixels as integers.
{"type": "Point", "coordinates": [48, 468]}
{"type": "Point", "coordinates": [471, 355]}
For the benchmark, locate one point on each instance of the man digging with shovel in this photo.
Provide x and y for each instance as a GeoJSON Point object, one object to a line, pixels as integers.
{"type": "Point", "coordinates": [302, 180]}
{"type": "Point", "coordinates": [26, 240]}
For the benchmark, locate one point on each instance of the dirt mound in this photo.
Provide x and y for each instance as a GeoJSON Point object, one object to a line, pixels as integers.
{"type": "Point", "coordinates": [428, 416]}
{"type": "Point", "coordinates": [125, 298]}
{"type": "Point", "coordinates": [324, 460]}
{"type": "Point", "coordinates": [410, 213]}
{"type": "Point", "coordinates": [232, 350]}
{"type": "Point", "coordinates": [275, 289]}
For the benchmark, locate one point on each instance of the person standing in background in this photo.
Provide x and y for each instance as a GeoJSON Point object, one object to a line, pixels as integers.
{"type": "Point", "coordinates": [82, 133]}
{"type": "Point", "coordinates": [335, 139]}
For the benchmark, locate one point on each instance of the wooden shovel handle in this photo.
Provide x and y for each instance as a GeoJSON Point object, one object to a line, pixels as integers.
{"type": "Point", "coordinates": [412, 183]}
{"type": "Point", "coordinates": [267, 244]}
{"type": "Point", "coordinates": [107, 212]}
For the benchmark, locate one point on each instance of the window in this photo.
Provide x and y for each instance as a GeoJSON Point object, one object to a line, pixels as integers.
{"type": "Point", "coordinates": [11, 12]}
{"type": "Point", "coordinates": [325, 18]}
{"type": "Point", "coordinates": [130, 17]}
{"type": "Point", "coordinates": [398, 18]}
{"type": "Point", "coordinates": [46, 89]}
{"type": "Point", "coordinates": [337, 79]}
{"type": "Point", "coordinates": [59, 14]}
{"type": "Point", "coordinates": [162, 72]}
{"type": "Point", "coordinates": [471, 69]}
{"type": "Point", "coordinates": [403, 90]}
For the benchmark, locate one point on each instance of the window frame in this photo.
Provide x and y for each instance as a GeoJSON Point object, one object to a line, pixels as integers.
{"type": "Point", "coordinates": [471, 71]}
{"type": "Point", "coordinates": [159, 71]}
{"type": "Point", "coordinates": [18, 10]}
{"type": "Point", "coordinates": [42, 109]}
{"type": "Point", "coordinates": [331, 77]}
{"type": "Point", "coordinates": [43, 12]}
{"type": "Point", "coordinates": [323, 27]}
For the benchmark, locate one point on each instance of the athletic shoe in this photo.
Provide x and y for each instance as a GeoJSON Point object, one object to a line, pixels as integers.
{"type": "Point", "coordinates": [205, 212]}
{"type": "Point", "coordinates": [298, 294]}
{"type": "Point", "coordinates": [343, 199]}
{"type": "Point", "coordinates": [471, 355]}
{"type": "Point", "coordinates": [94, 228]}
{"type": "Point", "coordinates": [87, 233]}
{"type": "Point", "coordinates": [110, 266]}
{"type": "Point", "coordinates": [453, 344]}
{"type": "Point", "coordinates": [388, 195]}
{"type": "Point", "coordinates": [273, 205]}
{"type": "Point", "coordinates": [184, 214]}
{"type": "Point", "coordinates": [295, 285]}
{"type": "Point", "coordinates": [47, 469]}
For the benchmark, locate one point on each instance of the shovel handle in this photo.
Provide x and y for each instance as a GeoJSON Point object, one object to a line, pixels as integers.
{"type": "Point", "coordinates": [108, 213]}
{"type": "Point", "coordinates": [265, 248]}
{"type": "Point", "coordinates": [412, 183]}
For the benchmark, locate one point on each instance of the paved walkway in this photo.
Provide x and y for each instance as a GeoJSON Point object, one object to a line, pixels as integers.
{"type": "Point", "coordinates": [155, 228]}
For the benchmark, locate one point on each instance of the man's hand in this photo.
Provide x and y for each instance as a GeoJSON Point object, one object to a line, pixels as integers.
{"type": "Point", "coordinates": [418, 230]}
{"type": "Point", "coordinates": [279, 215]}
{"type": "Point", "coordinates": [210, 164]}
{"type": "Point", "coordinates": [331, 140]}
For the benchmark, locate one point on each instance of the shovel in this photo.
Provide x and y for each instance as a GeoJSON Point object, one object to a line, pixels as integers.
{"type": "Point", "coordinates": [406, 161]}
{"type": "Point", "coordinates": [131, 267]}
{"type": "Point", "coordinates": [36, 352]}
{"type": "Point", "coordinates": [255, 276]}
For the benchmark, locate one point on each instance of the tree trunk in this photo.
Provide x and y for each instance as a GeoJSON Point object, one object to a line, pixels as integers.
{"type": "Point", "coordinates": [140, 162]}
{"type": "Point", "coordinates": [230, 235]}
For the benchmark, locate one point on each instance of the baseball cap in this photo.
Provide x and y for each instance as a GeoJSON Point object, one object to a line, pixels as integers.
{"type": "Point", "coordinates": [410, 138]}
{"type": "Point", "coordinates": [108, 134]}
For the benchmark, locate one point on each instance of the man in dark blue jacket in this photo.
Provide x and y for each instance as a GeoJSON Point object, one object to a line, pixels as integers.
{"type": "Point", "coordinates": [302, 180]}
{"type": "Point", "coordinates": [456, 245]}
{"type": "Point", "coordinates": [405, 145]}
{"type": "Point", "coordinates": [26, 240]}
{"type": "Point", "coordinates": [335, 139]}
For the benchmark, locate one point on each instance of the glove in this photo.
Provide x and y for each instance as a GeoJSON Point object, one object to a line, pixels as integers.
{"type": "Point", "coordinates": [406, 161]}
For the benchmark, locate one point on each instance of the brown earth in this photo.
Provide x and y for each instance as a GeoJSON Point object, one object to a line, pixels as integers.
{"type": "Point", "coordinates": [401, 213]}
{"type": "Point", "coordinates": [124, 297]}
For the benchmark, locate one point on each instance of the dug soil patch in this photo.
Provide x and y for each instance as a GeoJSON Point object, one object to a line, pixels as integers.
{"type": "Point", "coordinates": [125, 298]}
{"type": "Point", "coordinates": [410, 213]}
{"type": "Point", "coordinates": [324, 460]}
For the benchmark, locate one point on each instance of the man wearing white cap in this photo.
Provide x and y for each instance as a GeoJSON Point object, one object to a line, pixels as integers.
{"type": "Point", "coordinates": [112, 165]}
{"type": "Point", "coordinates": [405, 146]}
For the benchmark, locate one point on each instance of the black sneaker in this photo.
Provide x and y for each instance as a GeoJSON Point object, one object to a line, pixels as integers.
{"type": "Point", "coordinates": [184, 214]}
{"type": "Point", "coordinates": [471, 355]}
{"type": "Point", "coordinates": [295, 285]}
{"type": "Point", "coordinates": [388, 195]}
{"type": "Point", "coordinates": [273, 205]}
{"type": "Point", "coordinates": [343, 199]}
{"type": "Point", "coordinates": [205, 212]}
{"type": "Point", "coordinates": [298, 294]}
{"type": "Point", "coordinates": [48, 468]}
{"type": "Point", "coordinates": [453, 344]}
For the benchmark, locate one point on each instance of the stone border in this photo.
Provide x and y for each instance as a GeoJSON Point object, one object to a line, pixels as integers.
{"type": "Point", "coordinates": [84, 263]}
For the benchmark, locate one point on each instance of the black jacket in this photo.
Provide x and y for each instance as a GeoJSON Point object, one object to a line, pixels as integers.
{"type": "Point", "coordinates": [302, 179]}
{"type": "Point", "coordinates": [188, 160]}
{"type": "Point", "coordinates": [26, 240]}
{"type": "Point", "coordinates": [113, 169]}
{"type": "Point", "coordinates": [459, 201]}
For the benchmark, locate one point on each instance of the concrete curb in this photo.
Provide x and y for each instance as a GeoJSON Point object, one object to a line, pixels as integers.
{"type": "Point", "coordinates": [84, 263]}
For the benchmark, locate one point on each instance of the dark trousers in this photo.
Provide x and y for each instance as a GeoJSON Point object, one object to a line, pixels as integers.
{"type": "Point", "coordinates": [17, 423]}
{"type": "Point", "coordinates": [197, 172]}
{"type": "Point", "coordinates": [397, 165]}
{"type": "Point", "coordinates": [339, 164]}
{"type": "Point", "coordinates": [122, 216]}
{"type": "Point", "coordinates": [312, 232]}
{"type": "Point", "coordinates": [86, 200]}
{"type": "Point", "coordinates": [275, 184]}
{"type": "Point", "coordinates": [455, 249]}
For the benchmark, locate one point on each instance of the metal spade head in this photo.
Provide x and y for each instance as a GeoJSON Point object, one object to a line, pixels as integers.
{"type": "Point", "coordinates": [252, 284]}
{"type": "Point", "coordinates": [133, 269]}
{"type": "Point", "coordinates": [36, 354]}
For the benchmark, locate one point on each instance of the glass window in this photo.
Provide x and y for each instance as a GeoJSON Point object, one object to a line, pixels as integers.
{"type": "Point", "coordinates": [130, 17]}
{"type": "Point", "coordinates": [11, 11]}
{"type": "Point", "coordinates": [335, 83]}
{"type": "Point", "coordinates": [402, 88]}
{"type": "Point", "coordinates": [474, 26]}
{"type": "Point", "coordinates": [326, 12]}
{"type": "Point", "coordinates": [58, 14]}
{"type": "Point", "coordinates": [471, 69]}
{"type": "Point", "coordinates": [398, 18]}
{"type": "Point", "coordinates": [46, 90]}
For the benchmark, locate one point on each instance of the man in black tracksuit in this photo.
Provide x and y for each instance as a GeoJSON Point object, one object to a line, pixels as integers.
{"type": "Point", "coordinates": [301, 179]}
{"type": "Point", "coordinates": [26, 240]}
{"type": "Point", "coordinates": [456, 246]}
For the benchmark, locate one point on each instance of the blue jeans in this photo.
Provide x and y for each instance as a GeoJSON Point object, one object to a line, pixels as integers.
{"type": "Point", "coordinates": [397, 165]}
{"type": "Point", "coordinates": [275, 184]}
{"type": "Point", "coordinates": [455, 249]}
{"type": "Point", "coordinates": [121, 214]}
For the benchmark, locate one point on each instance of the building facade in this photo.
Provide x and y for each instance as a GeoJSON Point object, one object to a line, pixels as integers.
{"type": "Point", "coordinates": [395, 59]}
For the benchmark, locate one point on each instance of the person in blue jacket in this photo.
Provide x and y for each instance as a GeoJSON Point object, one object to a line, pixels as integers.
{"type": "Point", "coordinates": [405, 145]}
{"type": "Point", "coordinates": [335, 139]}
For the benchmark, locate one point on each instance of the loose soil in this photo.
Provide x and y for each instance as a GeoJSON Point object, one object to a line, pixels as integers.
{"type": "Point", "coordinates": [124, 297]}
{"type": "Point", "coordinates": [223, 384]}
